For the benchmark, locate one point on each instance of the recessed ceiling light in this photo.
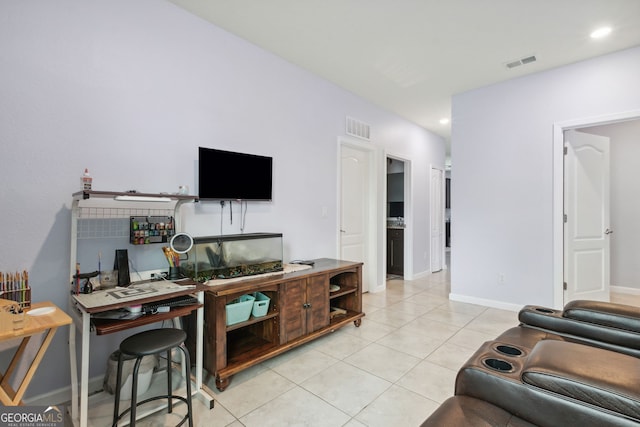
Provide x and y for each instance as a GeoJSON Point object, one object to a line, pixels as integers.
{"type": "Point", "coordinates": [444, 121]}
{"type": "Point", "coordinates": [601, 32]}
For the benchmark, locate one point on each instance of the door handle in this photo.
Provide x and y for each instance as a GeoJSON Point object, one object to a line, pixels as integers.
{"type": "Point", "coordinates": [343, 231]}
{"type": "Point", "coordinates": [608, 231]}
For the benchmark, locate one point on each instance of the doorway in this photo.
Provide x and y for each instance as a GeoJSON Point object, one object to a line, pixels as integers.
{"type": "Point", "coordinates": [559, 267]}
{"type": "Point", "coordinates": [395, 212]}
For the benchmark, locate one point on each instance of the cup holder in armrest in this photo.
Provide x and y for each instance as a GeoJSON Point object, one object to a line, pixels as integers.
{"type": "Point", "coordinates": [498, 365]}
{"type": "Point", "coordinates": [544, 310]}
{"type": "Point", "coordinates": [508, 350]}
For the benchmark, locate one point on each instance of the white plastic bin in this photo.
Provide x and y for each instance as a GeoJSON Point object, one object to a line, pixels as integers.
{"type": "Point", "coordinates": [145, 373]}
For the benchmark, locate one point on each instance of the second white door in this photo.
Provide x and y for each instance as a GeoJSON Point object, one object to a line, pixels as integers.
{"type": "Point", "coordinates": [587, 227]}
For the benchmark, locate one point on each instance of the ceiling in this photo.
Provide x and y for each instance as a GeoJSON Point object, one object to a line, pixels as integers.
{"type": "Point", "coordinates": [411, 56]}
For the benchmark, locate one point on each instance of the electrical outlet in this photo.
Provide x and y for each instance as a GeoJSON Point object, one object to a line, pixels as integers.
{"type": "Point", "coordinates": [501, 279]}
{"type": "Point", "coordinates": [158, 274]}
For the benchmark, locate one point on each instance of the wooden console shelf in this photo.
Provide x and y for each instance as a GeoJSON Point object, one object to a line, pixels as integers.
{"type": "Point", "coordinates": [299, 312]}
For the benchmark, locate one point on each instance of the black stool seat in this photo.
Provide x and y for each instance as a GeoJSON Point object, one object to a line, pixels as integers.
{"type": "Point", "coordinates": [154, 341]}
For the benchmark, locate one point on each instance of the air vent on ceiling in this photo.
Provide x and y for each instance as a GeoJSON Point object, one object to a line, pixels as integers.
{"type": "Point", "coordinates": [358, 129]}
{"type": "Point", "coordinates": [522, 61]}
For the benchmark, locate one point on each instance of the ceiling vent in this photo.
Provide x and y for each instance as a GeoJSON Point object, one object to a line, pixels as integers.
{"type": "Point", "coordinates": [522, 61]}
{"type": "Point", "coordinates": [358, 129]}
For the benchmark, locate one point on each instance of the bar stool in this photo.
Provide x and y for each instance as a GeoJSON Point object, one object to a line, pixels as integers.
{"type": "Point", "coordinates": [146, 343]}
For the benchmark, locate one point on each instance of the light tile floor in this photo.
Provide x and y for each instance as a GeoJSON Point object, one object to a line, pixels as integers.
{"type": "Point", "coordinates": [395, 369]}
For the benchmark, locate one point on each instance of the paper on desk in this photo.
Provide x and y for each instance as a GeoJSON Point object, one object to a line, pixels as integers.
{"type": "Point", "coordinates": [135, 292]}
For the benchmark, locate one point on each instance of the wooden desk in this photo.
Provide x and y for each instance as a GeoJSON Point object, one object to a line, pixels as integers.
{"type": "Point", "coordinates": [83, 306]}
{"type": "Point", "coordinates": [33, 325]}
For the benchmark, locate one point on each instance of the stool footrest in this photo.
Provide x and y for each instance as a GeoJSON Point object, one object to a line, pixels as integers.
{"type": "Point", "coordinates": [151, 399]}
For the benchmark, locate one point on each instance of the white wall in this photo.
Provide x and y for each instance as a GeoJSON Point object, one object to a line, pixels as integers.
{"type": "Point", "coordinates": [502, 175]}
{"type": "Point", "coordinates": [130, 90]}
{"type": "Point", "coordinates": [625, 202]}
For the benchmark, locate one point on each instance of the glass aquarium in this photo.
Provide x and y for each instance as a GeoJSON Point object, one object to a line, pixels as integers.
{"type": "Point", "coordinates": [234, 255]}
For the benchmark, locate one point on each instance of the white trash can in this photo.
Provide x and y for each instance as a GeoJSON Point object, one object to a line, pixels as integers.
{"type": "Point", "coordinates": [145, 373]}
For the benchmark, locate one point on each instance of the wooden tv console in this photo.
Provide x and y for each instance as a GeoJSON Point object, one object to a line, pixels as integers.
{"type": "Point", "coordinates": [300, 310]}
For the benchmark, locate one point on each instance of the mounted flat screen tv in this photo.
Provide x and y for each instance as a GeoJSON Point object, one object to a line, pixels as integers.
{"type": "Point", "coordinates": [226, 175]}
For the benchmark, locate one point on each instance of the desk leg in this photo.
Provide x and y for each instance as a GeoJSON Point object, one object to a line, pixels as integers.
{"type": "Point", "coordinates": [199, 341]}
{"type": "Point", "coordinates": [6, 378]}
{"type": "Point", "coordinates": [74, 372]}
{"type": "Point", "coordinates": [34, 365]}
{"type": "Point", "coordinates": [7, 394]}
{"type": "Point", "coordinates": [10, 397]}
{"type": "Point", "coordinates": [84, 369]}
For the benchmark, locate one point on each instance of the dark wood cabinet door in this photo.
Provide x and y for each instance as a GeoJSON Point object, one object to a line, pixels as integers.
{"type": "Point", "coordinates": [318, 303]}
{"type": "Point", "coordinates": [395, 251]}
{"type": "Point", "coordinates": [305, 307]}
{"type": "Point", "coordinates": [293, 297]}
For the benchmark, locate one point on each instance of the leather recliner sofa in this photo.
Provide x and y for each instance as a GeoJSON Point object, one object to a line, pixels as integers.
{"type": "Point", "coordinates": [578, 366]}
{"type": "Point", "coordinates": [612, 326]}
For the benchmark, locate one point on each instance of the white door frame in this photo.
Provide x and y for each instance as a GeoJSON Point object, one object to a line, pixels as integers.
{"type": "Point", "coordinates": [558, 190]}
{"type": "Point", "coordinates": [441, 203]}
{"type": "Point", "coordinates": [408, 221]}
{"type": "Point", "coordinates": [373, 252]}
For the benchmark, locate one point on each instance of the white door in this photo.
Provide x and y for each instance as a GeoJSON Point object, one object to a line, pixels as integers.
{"type": "Point", "coordinates": [587, 229]}
{"type": "Point", "coordinates": [354, 203]}
{"type": "Point", "coordinates": [437, 219]}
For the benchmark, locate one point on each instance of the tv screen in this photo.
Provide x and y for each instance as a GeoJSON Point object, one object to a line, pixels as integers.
{"type": "Point", "coordinates": [226, 175]}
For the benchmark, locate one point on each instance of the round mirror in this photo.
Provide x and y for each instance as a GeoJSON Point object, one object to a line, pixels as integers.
{"type": "Point", "coordinates": [181, 243]}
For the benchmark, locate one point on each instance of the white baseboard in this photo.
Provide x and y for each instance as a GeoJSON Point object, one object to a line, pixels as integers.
{"type": "Point", "coordinates": [63, 395]}
{"type": "Point", "coordinates": [377, 289]}
{"type": "Point", "coordinates": [422, 275]}
{"type": "Point", "coordinates": [486, 302]}
{"type": "Point", "coordinates": [625, 290]}
{"type": "Point", "coordinates": [428, 273]}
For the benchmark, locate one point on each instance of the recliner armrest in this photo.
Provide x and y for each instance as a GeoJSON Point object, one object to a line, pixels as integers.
{"type": "Point", "coordinates": [619, 316]}
{"type": "Point", "coordinates": [597, 377]}
{"type": "Point", "coordinates": [497, 377]}
{"type": "Point", "coordinates": [612, 326]}
{"type": "Point", "coordinates": [465, 411]}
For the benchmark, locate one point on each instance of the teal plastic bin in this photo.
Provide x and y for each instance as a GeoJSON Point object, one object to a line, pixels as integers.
{"type": "Point", "coordinates": [260, 305]}
{"type": "Point", "coordinates": [240, 309]}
